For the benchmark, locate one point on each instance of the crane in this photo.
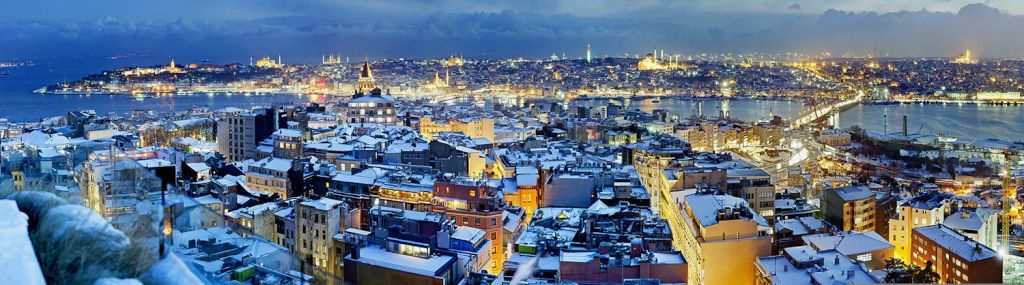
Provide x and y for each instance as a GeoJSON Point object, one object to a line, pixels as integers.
{"type": "Point", "coordinates": [1008, 198]}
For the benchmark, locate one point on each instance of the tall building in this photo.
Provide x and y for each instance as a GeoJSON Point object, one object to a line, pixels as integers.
{"type": "Point", "coordinates": [955, 257]}
{"type": "Point", "coordinates": [753, 185]}
{"type": "Point", "coordinates": [474, 203]}
{"type": "Point", "coordinates": [723, 237]}
{"type": "Point", "coordinates": [923, 210]}
{"type": "Point", "coordinates": [850, 208]}
{"type": "Point", "coordinates": [288, 144]}
{"type": "Point", "coordinates": [588, 53]}
{"type": "Point", "coordinates": [374, 108]}
{"type": "Point", "coordinates": [317, 220]}
{"type": "Point", "coordinates": [239, 134]}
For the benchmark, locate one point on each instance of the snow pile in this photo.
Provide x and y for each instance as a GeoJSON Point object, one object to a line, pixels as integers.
{"type": "Point", "coordinates": [16, 255]}
{"type": "Point", "coordinates": [116, 281]}
{"type": "Point", "coordinates": [35, 204]}
{"type": "Point", "coordinates": [79, 246]}
{"type": "Point", "coordinates": [171, 271]}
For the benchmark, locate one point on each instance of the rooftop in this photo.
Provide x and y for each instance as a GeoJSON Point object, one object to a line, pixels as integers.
{"type": "Point", "coordinates": [377, 256]}
{"type": "Point", "coordinates": [956, 243]}
{"type": "Point", "coordinates": [848, 243]}
{"type": "Point", "coordinates": [852, 193]}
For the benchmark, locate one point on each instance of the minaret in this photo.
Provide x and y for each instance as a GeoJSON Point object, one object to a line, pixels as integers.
{"type": "Point", "coordinates": [250, 61]}
{"type": "Point", "coordinates": [588, 53]}
{"type": "Point", "coordinates": [279, 62]}
{"type": "Point", "coordinates": [447, 77]}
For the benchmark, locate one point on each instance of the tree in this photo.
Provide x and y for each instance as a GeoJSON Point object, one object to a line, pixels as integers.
{"type": "Point", "coordinates": [900, 272]}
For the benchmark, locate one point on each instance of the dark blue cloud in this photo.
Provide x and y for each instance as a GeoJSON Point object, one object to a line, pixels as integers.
{"type": "Point", "coordinates": [490, 28]}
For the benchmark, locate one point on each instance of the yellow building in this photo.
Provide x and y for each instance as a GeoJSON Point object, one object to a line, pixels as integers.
{"type": "Point", "coordinates": [527, 190]}
{"type": "Point", "coordinates": [850, 208]}
{"type": "Point", "coordinates": [723, 239]}
{"type": "Point", "coordinates": [925, 210]}
{"type": "Point", "coordinates": [270, 175]}
{"type": "Point", "coordinates": [472, 127]}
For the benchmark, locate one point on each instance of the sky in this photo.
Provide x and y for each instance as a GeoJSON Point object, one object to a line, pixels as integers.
{"type": "Point", "coordinates": [302, 30]}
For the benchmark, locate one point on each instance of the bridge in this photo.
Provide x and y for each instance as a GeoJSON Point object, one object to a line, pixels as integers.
{"type": "Point", "coordinates": [816, 113]}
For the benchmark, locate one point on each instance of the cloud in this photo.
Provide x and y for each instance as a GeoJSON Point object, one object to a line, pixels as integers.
{"type": "Point", "coordinates": [794, 7]}
{"type": "Point", "coordinates": [492, 29]}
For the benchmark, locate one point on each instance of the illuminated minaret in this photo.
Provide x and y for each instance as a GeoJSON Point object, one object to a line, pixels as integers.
{"type": "Point", "coordinates": [588, 53]}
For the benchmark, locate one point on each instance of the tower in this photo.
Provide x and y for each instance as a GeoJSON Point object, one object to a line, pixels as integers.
{"type": "Point", "coordinates": [366, 82]}
{"type": "Point", "coordinates": [588, 53]}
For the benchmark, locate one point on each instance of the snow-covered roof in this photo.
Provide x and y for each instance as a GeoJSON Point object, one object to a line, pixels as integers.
{"type": "Point", "coordinates": [40, 139]}
{"type": "Point", "coordinates": [705, 208]}
{"type": "Point", "coordinates": [852, 193]}
{"type": "Point", "coordinates": [288, 133]}
{"type": "Point", "coordinates": [276, 164]}
{"type": "Point", "coordinates": [834, 268]}
{"type": "Point", "coordinates": [321, 204]}
{"type": "Point", "coordinates": [156, 162]}
{"type": "Point", "coordinates": [198, 166]}
{"type": "Point", "coordinates": [848, 243]}
{"type": "Point", "coordinates": [956, 243]}
{"type": "Point", "coordinates": [377, 256]}
{"type": "Point", "coordinates": [469, 234]}
{"type": "Point", "coordinates": [975, 218]}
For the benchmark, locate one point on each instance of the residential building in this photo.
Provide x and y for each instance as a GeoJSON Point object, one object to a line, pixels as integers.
{"type": "Point", "coordinates": [238, 134]}
{"type": "Point", "coordinates": [850, 208]}
{"type": "Point", "coordinates": [803, 265]}
{"type": "Point", "coordinates": [723, 237]}
{"type": "Point", "coordinates": [867, 247]}
{"type": "Point", "coordinates": [955, 257]}
{"type": "Point", "coordinates": [979, 224]}
{"type": "Point", "coordinates": [317, 220]}
{"type": "Point", "coordinates": [923, 210]}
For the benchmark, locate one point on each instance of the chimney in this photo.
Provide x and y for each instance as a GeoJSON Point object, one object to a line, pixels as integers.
{"type": "Point", "coordinates": [904, 125]}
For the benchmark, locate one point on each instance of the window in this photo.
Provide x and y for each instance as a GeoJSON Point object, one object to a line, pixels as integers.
{"type": "Point", "coordinates": [864, 257]}
{"type": "Point", "coordinates": [494, 222]}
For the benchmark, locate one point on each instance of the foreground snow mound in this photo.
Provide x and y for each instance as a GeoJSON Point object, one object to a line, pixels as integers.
{"type": "Point", "coordinates": [16, 255]}
{"type": "Point", "coordinates": [35, 204]}
{"type": "Point", "coordinates": [79, 246]}
{"type": "Point", "coordinates": [171, 271]}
